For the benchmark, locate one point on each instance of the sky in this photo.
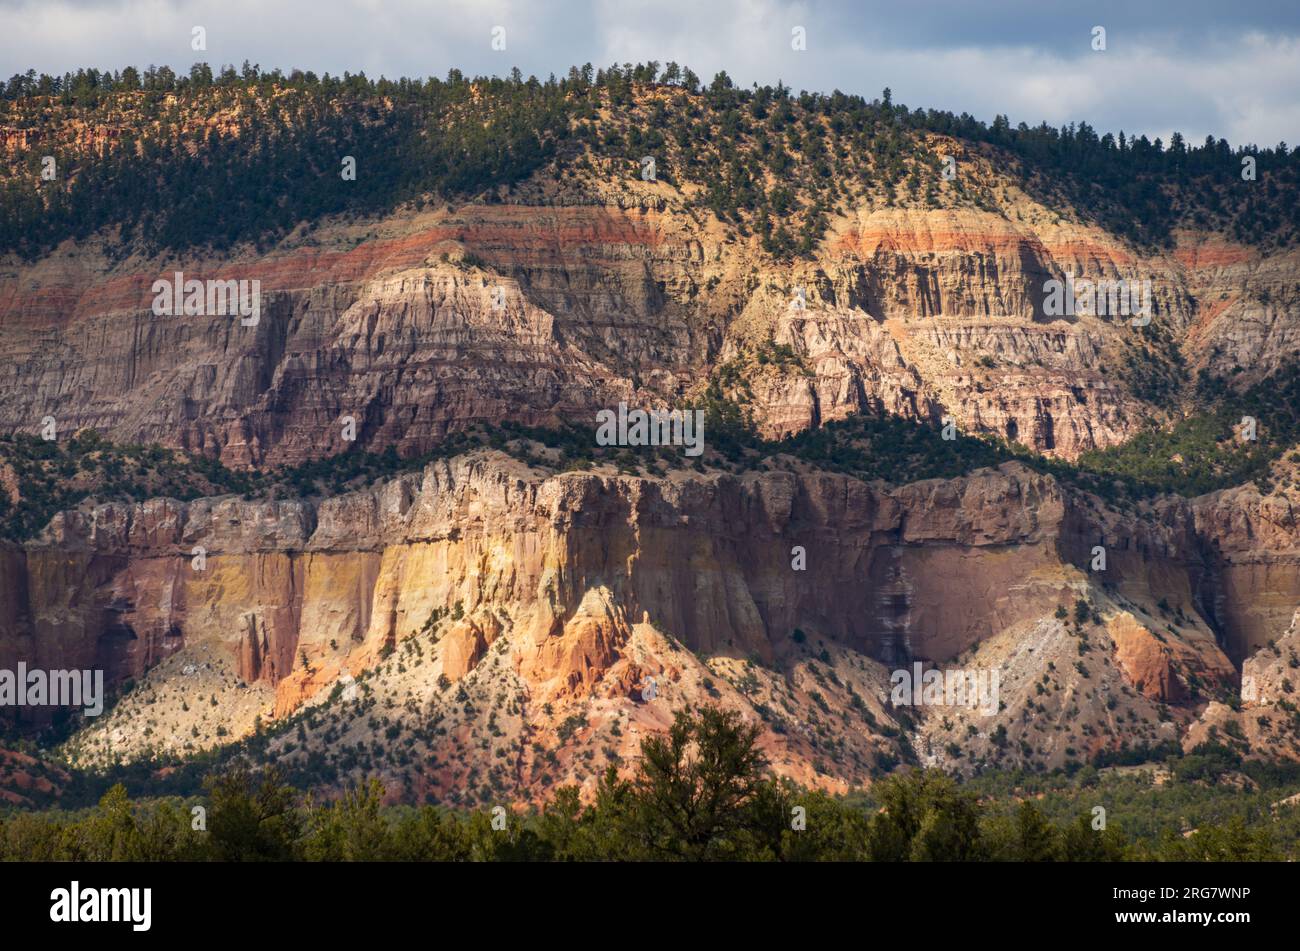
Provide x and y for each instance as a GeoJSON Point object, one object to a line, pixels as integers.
{"type": "Point", "coordinates": [1230, 69]}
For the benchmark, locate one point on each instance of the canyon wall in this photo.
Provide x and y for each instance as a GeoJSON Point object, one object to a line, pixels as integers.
{"type": "Point", "coordinates": [295, 597]}
{"type": "Point", "coordinates": [425, 323]}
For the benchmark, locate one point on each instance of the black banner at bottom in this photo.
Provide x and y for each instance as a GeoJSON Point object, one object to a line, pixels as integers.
{"type": "Point", "coordinates": [215, 901]}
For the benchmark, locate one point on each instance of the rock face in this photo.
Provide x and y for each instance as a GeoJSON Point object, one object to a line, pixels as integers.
{"type": "Point", "coordinates": [566, 594]}
{"type": "Point", "coordinates": [1264, 719]}
{"type": "Point", "coordinates": [585, 293]}
{"type": "Point", "coordinates": [1157, 666]}
{"type": "Point", "coordinates": [707, 559]}
{"type": "Point", "coordinates": [1254, 594]}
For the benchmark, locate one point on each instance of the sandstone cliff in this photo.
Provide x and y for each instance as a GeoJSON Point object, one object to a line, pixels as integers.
{"type": "Point", "coordinates": [584, 291]}
{"type": "Point", "coordinates": [484, 602]}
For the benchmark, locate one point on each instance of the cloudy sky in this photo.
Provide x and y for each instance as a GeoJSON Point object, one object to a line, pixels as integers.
{"type": "Point", "coordinates": [1227, 68]}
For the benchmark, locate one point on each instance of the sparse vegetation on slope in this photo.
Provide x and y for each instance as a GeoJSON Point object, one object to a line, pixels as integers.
{"type": "Point", "coordinates": [215, 158]}
{"type": "Point", "coordinates": [700, 792]}
{"type": "Point", "coordinates": [1199, 454]}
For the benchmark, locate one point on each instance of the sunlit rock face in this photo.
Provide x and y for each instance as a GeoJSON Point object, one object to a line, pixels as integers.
{"type": "Point", "coordinates": [552, 596]}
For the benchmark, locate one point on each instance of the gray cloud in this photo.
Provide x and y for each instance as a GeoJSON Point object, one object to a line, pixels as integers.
{"type": "Point", "coordinates": [1197, 66]}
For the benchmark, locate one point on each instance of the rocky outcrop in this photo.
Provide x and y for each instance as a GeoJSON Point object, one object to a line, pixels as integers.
{"type": "Point", "coordinates": [588, 292]}
{"type": "Point", "coordinates": [707, 558]}
{"type": "Point", "coordinates": [1255, 544]}
{"type": "Point", "coordinates": [1161, 667]}
{"type": "Point", "coordinates": [560, 589]}
{"type": "Point", "coordinates": [1262, 719]}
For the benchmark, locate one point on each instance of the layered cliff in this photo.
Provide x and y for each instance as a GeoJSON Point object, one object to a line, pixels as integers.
{"type": "Point", "coordinates": [483, 614]}
{"type": "Point", "coordinates": [599, 304]}
{"type": "Point", "coordinates": [577, 287]}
